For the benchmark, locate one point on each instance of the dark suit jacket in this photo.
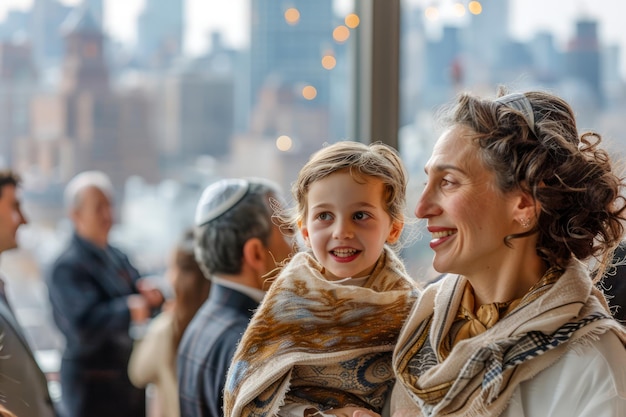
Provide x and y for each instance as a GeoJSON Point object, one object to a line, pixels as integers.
{"type": "Point", "coordinates": [88, 289]}
{"type": "Point", "coordinates": [207, 348]}
{"type": "Point", "coordinates": [23, 387]}
{"type": "Point", "coordinates": [614, 284]}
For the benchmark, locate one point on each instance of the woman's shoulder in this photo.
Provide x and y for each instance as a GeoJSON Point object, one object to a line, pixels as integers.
{"type": "Point", "coordinates": [589, 379]}
{"type": "Point", "coordinates": [601, 360]}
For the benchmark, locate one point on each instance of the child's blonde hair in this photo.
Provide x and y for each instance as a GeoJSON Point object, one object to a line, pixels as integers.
{"type": "Point", "coordinates": [374, 160]}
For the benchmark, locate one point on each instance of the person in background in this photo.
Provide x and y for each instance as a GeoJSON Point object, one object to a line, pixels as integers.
{"type": "Point", "coordinates": [236, 245]}
{"type": "Point", "coordinates": [320, 344]}
{"type": "Point", "coordinates": [95, 291]}
{"type": "Point", "coordinates": [518, 206]}
{"type": "Point", "coordinates": [613, 284]}
{"type": "Point", "coordinates": [23, 386]}
{"type": "Point", "coordinates": [153, 360]}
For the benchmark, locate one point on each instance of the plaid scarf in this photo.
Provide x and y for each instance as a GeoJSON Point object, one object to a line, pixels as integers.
{"type": "Point", "coordinates": [479, 375]}
{"type": "Point", "coordinates": [319, 343]}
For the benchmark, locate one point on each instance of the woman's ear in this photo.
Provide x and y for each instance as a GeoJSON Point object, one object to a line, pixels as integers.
{"type": "Point", "coordinates": [395, 232]}
{"type": "Point", "coordinates": [525, 210]}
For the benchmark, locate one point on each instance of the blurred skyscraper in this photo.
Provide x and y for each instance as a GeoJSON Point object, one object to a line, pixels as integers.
{"type": "Point", "coordinates": [85, 124]}
{"type": "Point", "coordinates": [47, 17]}
{"type": "Point", "coordinates": [583, 58]}
{"type": "Point", "coordinates": [483, 39]}
{"type": "Point", "coordinates": [160, 32]}
{"type": "Point", "coordinates": [96, 10]}
{"type": "Point", "coordinates": [18, 83]}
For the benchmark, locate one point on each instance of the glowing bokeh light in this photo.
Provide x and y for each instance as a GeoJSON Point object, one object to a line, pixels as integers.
{"type": "Point", "coordinates": [292, 16]}
{"type": "Point", "coordinates": [352, 20]}
{"type": "Point", "coordinates": [341, 34]}
{"type": "Point", "coordinates": [328, 62]}
{"type": "Point", "coordinates": [459, 9]}
{"type": "Point", "coordinates": [309, 92]}
{"type": "Point", "coordinates": [475, 7]}
{"type": "Point", "coordinates": [284, 143]}
{"type": "Point", "coordinates": [431, 13]}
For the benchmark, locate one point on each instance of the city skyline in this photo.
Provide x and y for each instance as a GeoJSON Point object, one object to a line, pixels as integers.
{"type": "Point", "coordinates": [231, 19]}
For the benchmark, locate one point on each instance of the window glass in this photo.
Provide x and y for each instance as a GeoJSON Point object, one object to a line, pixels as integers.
{"type": "Point", "coordinates": [573, 49]}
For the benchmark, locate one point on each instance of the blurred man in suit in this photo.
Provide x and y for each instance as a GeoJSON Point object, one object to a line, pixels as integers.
{"type": "Point", "coordinates": [23, 387]}
{"type": "Point", "coordinates": [95, 294]}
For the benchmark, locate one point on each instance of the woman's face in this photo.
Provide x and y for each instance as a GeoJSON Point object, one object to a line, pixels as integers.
{"type": "Point", "coordinates": [468, 217]}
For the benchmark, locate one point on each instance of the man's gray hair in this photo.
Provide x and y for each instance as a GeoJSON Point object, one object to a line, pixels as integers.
{"type": "Point", "coordinates": [229, 213]}
{"type": "Point", "coordinates": [87, 179]}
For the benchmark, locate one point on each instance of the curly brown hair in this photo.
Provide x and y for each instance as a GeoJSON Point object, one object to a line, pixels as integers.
{"type": "Point", "coordinates": [580, 208]}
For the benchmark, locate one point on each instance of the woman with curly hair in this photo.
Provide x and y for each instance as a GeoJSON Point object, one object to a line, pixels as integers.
{"type": "Point", "coordinates": [522, 212]}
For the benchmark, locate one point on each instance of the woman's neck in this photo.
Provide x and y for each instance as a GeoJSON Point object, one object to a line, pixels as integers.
{"type": "Point", "coordinates": [510, 281]}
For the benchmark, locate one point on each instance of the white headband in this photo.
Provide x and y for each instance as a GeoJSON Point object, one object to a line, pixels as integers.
{"type": "Point", "coordinates": [519, 102]}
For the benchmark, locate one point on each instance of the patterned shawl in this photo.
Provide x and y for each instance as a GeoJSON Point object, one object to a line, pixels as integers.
{"type": "Point", "coordinates": [481, 373]}
{"type": "Point", "coordinates": [320, 343]}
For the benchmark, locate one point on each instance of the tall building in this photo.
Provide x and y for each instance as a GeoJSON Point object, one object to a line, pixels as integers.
{"type": "Point", "coordinates": [96, 9]}
{"type": "Point", "coordinates": [18, 80]}
{"type": "Point", "coordinates": [47, 18]}
{"type": "Point", "coordinates": [484, 38]}
{"type": "Point", "coordinates": [444, 68]}
{"type": "Point", "coordinates": [160, 28]}
{"type": "Point", "coordinates": [583, 58]}
{"type": "Point", "coordinates": [86, 125]}
{"type": "Point", "coordinates": [287, 42]}
{"type": "Point", "coordinates": [194, 114]}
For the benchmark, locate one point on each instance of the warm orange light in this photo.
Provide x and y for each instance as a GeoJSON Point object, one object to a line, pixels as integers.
{"type": "Point", "coordinates": [459, 9]}
{"type": "Point", "coordinates": [431, 13]}
{"type": "Point", "coordinates": [352, 20]}
{"type": "Point", "coordinates": [309, 92]}
{"type": "Point", "coordinates": [292, 16]}
{"type": "Point", "coordinates": [329, 62]}
{"type": "Point", "coordinates": [284, 143]}
{"type": "Point", "coordinates": [475, 7]}
{"type": "Point", "coordinates": [341, 34]}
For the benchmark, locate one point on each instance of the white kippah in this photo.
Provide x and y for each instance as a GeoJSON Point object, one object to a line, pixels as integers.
{"type": "Point", "coordinates": [218, 198]}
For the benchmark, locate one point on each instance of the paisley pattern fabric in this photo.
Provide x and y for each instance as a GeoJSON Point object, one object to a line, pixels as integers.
{"type": "Point", "coordinates": [320, 343]}
{"type": "Point", "coordinates": [479, 375]}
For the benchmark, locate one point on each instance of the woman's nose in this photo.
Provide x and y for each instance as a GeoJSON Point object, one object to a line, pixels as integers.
{"type": "Point", "coordinates": [426, 206]}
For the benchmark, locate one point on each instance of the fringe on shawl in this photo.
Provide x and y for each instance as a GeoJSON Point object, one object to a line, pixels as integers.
{"type": "Point", "coordinates": [302, 304]}
{"type": "Point", "coordinates": [488, 399]}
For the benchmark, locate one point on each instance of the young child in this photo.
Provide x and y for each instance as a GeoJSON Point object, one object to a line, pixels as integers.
{"type": "Point", "coordinates": [323, 337]}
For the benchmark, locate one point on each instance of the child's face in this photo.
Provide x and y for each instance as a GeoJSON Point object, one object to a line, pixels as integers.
{"type": "Point", "coordinates": [346, 224]}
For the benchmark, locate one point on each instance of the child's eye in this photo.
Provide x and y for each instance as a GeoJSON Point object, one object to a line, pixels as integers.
{"type": "Point", "coordinates": [360, 215]}
{"type": "Point", "coordinates": [324, 216]}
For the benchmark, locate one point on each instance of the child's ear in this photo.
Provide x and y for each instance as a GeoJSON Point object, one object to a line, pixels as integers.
{"type": "Point", "coordinates": [395, 232]}
{"type": "Point", "coordinates": [305, 233]}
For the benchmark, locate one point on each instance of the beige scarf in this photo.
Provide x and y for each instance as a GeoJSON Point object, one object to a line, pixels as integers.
{"type": "Point", "coordinates": [481, 373]}
{"type": "Point", "coordinates": [320, 343]}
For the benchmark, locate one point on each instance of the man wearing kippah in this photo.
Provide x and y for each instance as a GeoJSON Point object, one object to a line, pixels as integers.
{"type": "Point", "coordinates": [236, 245]}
